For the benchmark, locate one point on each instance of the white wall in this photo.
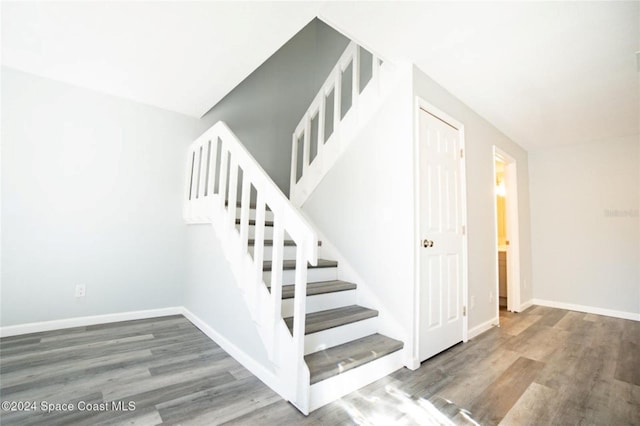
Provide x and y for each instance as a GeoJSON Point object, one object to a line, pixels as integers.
{"type": "Point", "coordinates": [585, 202]}
{"type": "Point", "coordinates": [211, 293]}
{"type": "Point", "coordinates": [91, 194]}
{"type": "Point", "coordinates": [364, 207]}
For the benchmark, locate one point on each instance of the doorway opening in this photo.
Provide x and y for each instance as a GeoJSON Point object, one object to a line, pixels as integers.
{"type": "Point", "coordinates": [507, 232]}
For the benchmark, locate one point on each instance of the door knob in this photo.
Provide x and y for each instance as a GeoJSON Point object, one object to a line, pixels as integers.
{"type": "Point", "coordinates": [427, 243]}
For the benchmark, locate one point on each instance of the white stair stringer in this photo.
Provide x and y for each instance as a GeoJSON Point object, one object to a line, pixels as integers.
{"type": "Point", "coordinates": [242, 265]}
{"type": "Point", "coordinates": [258, 298]}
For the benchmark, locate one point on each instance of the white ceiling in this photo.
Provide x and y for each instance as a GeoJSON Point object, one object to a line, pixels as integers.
{"type": "Point", "coordinates": [544, 73]}
{"type": "Point", "coordinates": [180, 56]}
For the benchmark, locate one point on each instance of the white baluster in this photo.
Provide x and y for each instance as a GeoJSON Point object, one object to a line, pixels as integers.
{"type": "Point", "coordinates": [307, 144]}
{"type": "Point", "coordinates": [192, 168]}
{"type": "Point", "coordinates": [222, 188]}
{"type": "Point", "coordinates": [186, 206]}
{"type": "Point", "coordinates": [258, 248]}
{"type": "Point", "coordinates": [299, 305]}
{"type": "Point", "coordinates": [213, 170]}
{"type": "Point", "coordinates": [203, 173]}
{"type": "Point", "coordinates": [375, 71]}
{"type": "Point", "coordinates": [244, 211]}
{"type": "Point", "coordinates": [199, 177]}
{"type": "Point", "coordinates": [276, 272]}
{"type": "Point", "coordinates": [337, 101]}
{"type": "Point", "coordinates": [294, 164]}
{"type": "Point", "coordinates": [355, 69]}
{"type": "Point", "coordinates": [233, 191]}
{"type": "Point", "coordinates": [321, 120]}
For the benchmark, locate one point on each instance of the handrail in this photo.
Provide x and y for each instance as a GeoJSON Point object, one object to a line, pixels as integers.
{"type": "Point", "coordinates": [327, 151]}
{"type": "Point", "coordinates": [213, 194]}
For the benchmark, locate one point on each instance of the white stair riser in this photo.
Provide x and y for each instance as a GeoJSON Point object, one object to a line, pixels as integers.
{"type": "Point", "coordinates": [289, 252]}
{"type": "Point", "coordinates": [268, 216]}
{"type": "Point", "coordinates": [313, 275]}
{"type": "Point", "coordinates": [329, 390]}
{"type": "Point", "coordinates": [322, 302]}
{"type": "Point", "coordinates": [268, 231]}
{"type": "Point", "coordinates": [338, 335]}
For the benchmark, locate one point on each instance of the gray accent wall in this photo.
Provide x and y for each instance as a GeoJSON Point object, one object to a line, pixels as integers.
{"type": "Point", "coordinates": [265, 108]}
{"type": "Point", "coordinates": [263, 112]}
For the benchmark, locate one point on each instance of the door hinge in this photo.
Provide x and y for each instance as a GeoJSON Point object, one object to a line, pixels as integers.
{"type": "Point", "coordinates": [464, 311]}
{"type": "Point", "coordinates": [461, 153]}
{"type": "Point", "coordinates": [464, 230]}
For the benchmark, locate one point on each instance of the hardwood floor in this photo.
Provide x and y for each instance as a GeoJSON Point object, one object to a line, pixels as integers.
{"type": "Point", "coordinates": [541, 367]}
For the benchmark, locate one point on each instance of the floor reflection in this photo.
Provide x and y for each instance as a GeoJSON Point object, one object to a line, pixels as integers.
{"type": "Point", "coordinates": [396, 407]}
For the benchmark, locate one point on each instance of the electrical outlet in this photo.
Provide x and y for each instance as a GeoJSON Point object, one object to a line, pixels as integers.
{"type": "Point", "coordinates": [473, 302]}
{"type": "Point", "coordinates": [81, 290]}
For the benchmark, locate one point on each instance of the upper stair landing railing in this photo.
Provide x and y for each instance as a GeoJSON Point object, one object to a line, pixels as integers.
{"type": "Point", "coordinates": [347, 99]}
{"type": "Point", "coordinates": [222, 181]}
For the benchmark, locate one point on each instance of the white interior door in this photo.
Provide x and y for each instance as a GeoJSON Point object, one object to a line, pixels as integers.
{"type": "Point", "coordinates": [441, 232]}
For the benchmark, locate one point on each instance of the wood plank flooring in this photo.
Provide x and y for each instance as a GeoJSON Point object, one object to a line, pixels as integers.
{"type": "Point", "coordinates": [541, 367]}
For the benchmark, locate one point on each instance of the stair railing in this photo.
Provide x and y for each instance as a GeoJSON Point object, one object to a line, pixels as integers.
{"type": "Point", "coordinates": [343, 123]}
{"type": "Point", "coordinates": [222, 181]}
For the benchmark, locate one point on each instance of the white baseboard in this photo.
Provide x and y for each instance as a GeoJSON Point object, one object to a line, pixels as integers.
{"type": "Point", "coordinates": [481, 328]}
{"type": "Point", "coordinates": [257, 369]}
{"type": "Point", "coordinates": [588, 309]}
{"type": "Point", "coordinates": [526, 305]}
{"type": "Point", "coordinates": [37, 327]}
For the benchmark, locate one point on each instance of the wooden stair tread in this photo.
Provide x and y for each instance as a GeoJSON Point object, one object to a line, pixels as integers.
{"type": "Point", "coordinates": [252, 222]}
{"type": "Point", "coordinates": [320, 287]}
{"type": "Point", "coordinates": [324, 320]}
{"type": "Point", "coordinates": [339, 359]}
{"type": "Point", "coordinates": [252, 206]}
{"type": "Point", "coordinates": [269, 243]}
{"type": "Point", "coordinates": [291, 264]}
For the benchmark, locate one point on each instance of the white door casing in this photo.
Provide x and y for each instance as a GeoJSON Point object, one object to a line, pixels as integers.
{"type": "Point", "coordinates": [442, 247]}
{"type": "Point", "coordinates": [512, 232]}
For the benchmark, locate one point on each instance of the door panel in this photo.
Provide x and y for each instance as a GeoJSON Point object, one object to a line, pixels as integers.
{"type": "Point", "coordinates": [435, 290]}
{"type": "Point", "coordinates": [440, 316]}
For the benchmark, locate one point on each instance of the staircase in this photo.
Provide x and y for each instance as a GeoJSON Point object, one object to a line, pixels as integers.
{"type": "Point", "coordinates": [320, 343]}
{"type": "Point", "coordinates": [340, 336]}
